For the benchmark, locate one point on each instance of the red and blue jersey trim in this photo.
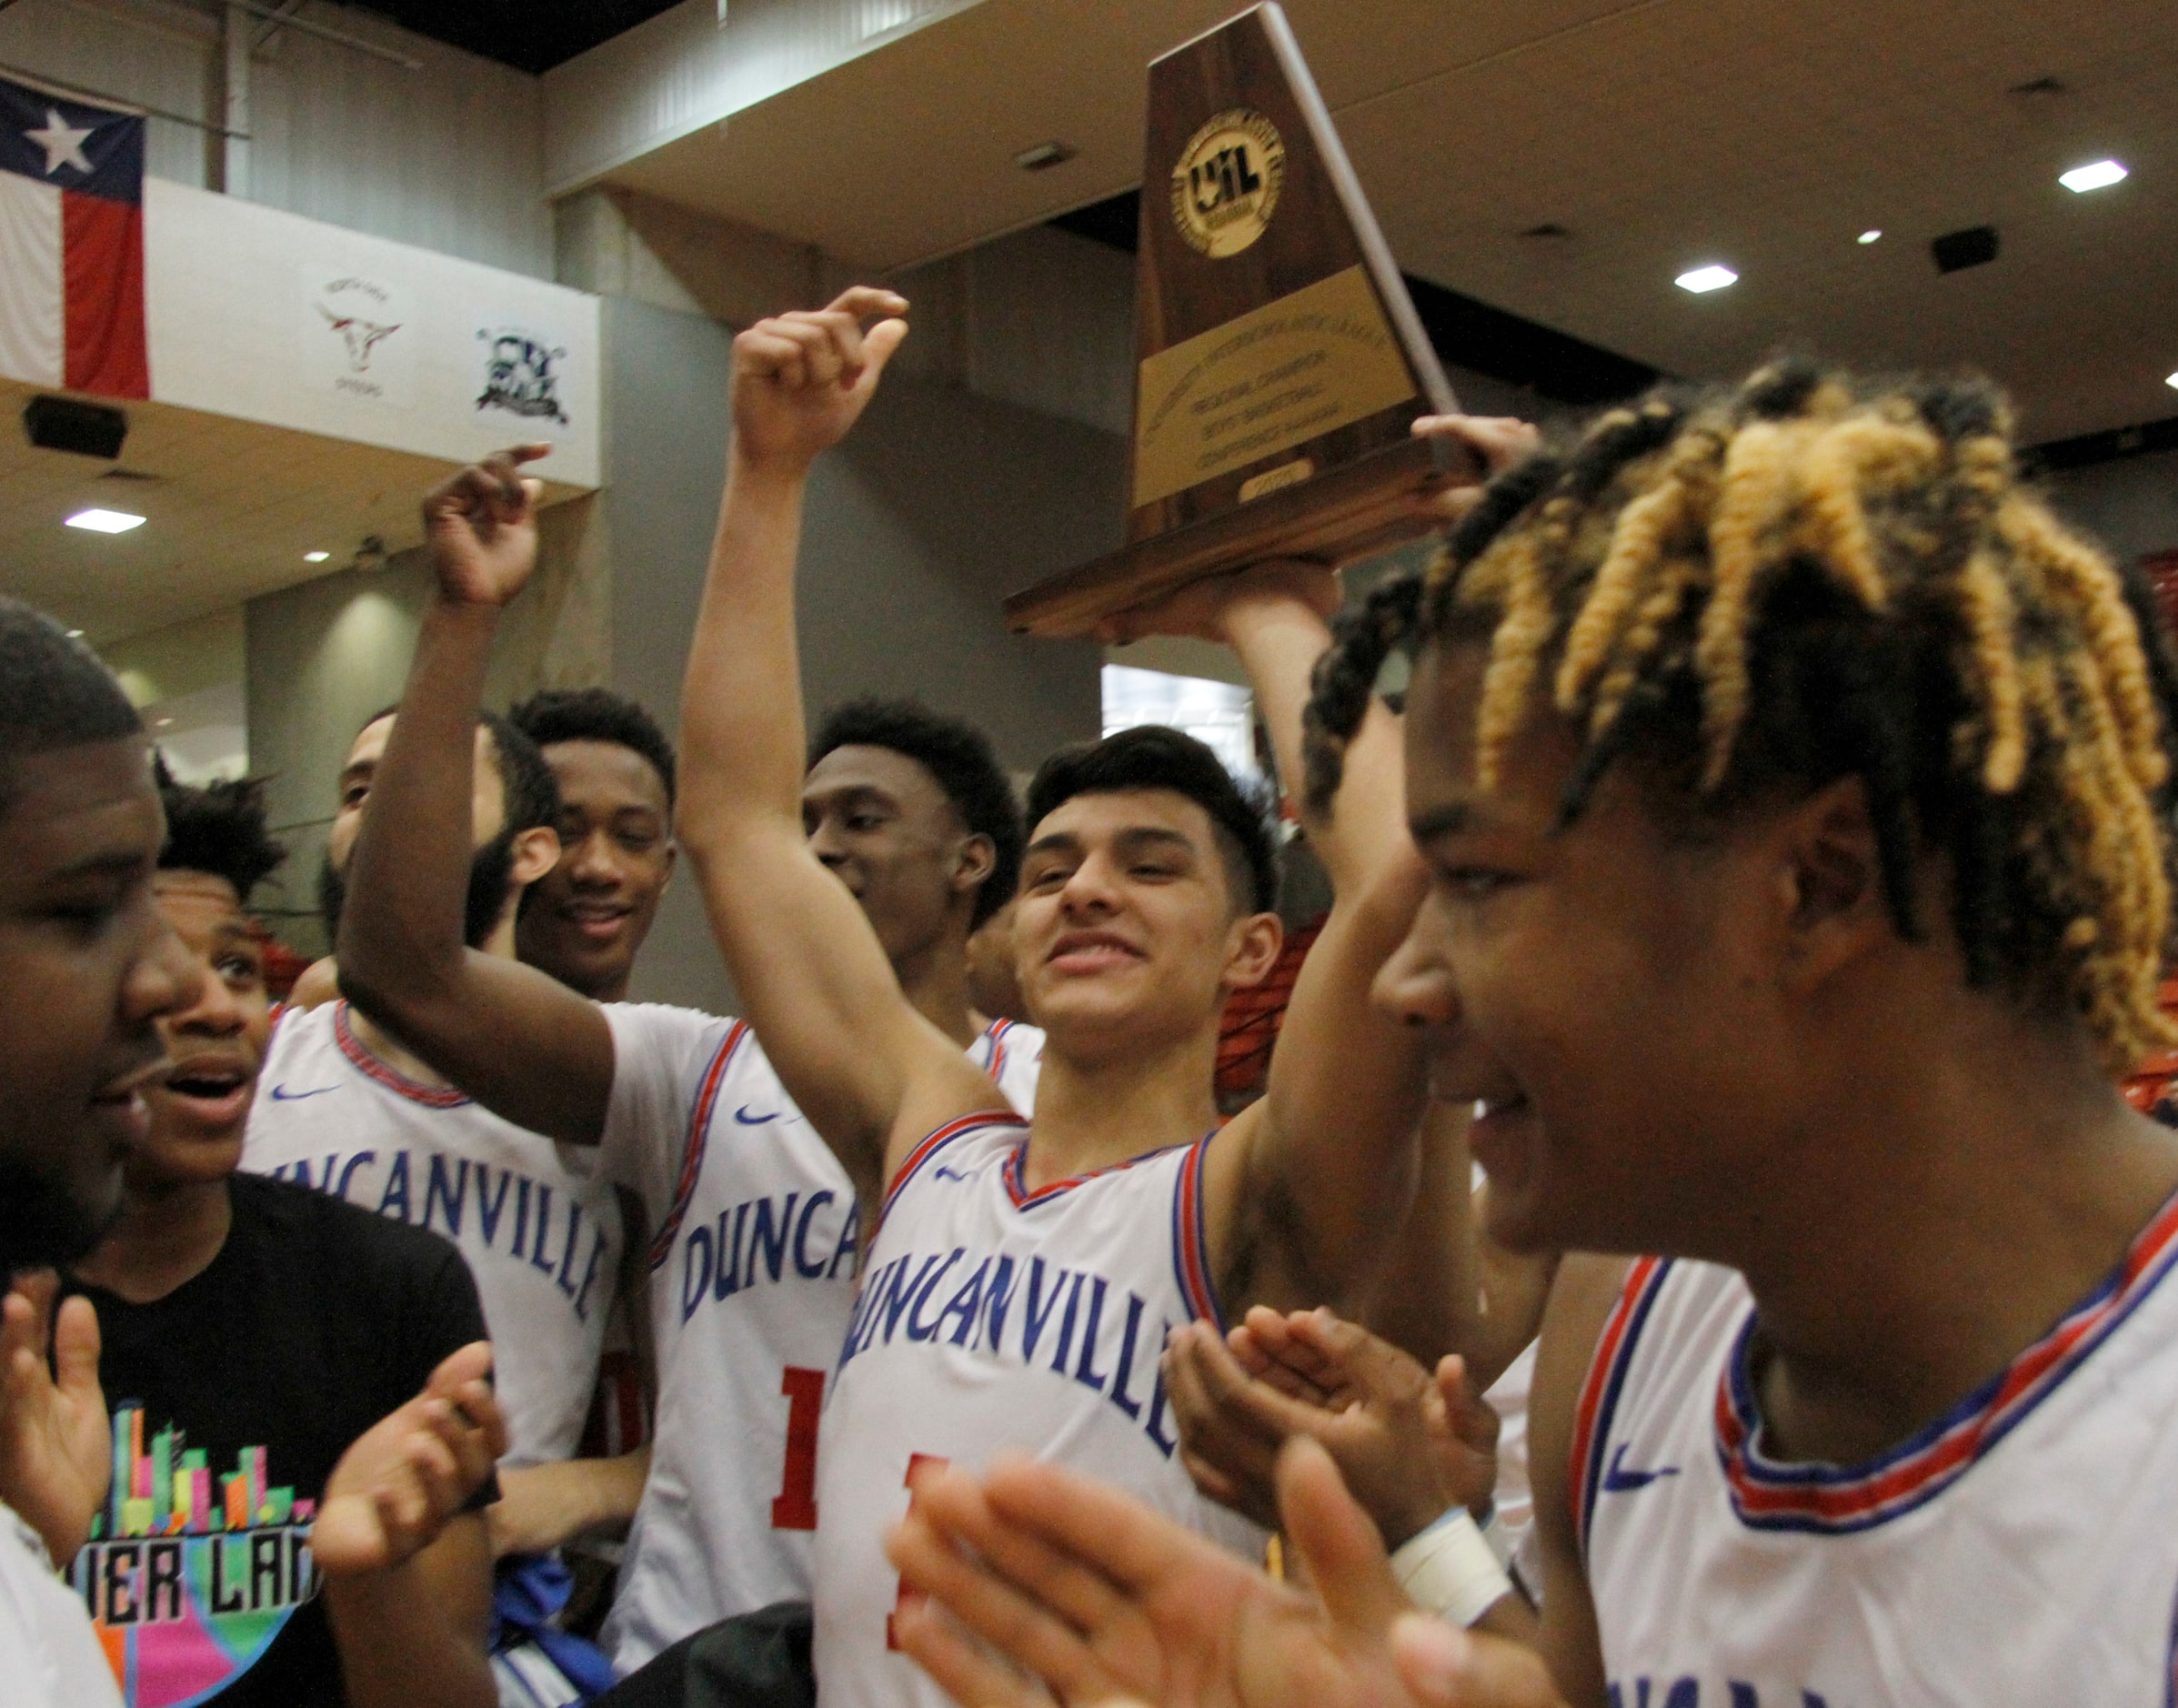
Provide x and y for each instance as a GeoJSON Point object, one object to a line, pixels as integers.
{"type": "Point", "coordinates": [399, 1084]}
{"type": "Point", "coordinates": [1013, 1171]}
{"type": "Point", "coordinates": [936, 1141]}
{"type": "Point", "coordinates": [1190, 1238]}
{"type": "Point", "coordinates": [1606, 1382]}
{"type": "Point", "coordinates": [697, 1143]}
{"type": "Point", "coordinates": [996, 1033]}
{"type": "Point", "coordinates": [1830, 1500]}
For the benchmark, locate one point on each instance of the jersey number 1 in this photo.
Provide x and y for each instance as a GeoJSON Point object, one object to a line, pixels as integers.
{"type": "Point", "coordinates": [908, 1598]}
{"type": "Point", "coordinates": [795, 1507]}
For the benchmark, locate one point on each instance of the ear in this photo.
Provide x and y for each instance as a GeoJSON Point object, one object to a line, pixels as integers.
{"type": "Point", "coordinates": [535, 853]}
{"type": "Point", "coordinates": [1253, 949]}
{"type": "Point", "coordinates": [972, 866]}
{"type": "Point", "coordinates": [1827, 883]}
{"type": "Point", "coordinates": [672, 864]}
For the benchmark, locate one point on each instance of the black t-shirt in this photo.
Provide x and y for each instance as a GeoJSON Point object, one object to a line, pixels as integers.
{"type": "Point", "coordinates": [234, 1397]}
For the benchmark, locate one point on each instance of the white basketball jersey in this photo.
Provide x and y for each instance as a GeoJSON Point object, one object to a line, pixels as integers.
{"type": "Point", "coordinates": [2022, 1550]}
{"type": "Point", "coordinates": [537, 1223]}
{"type": "Point", "coordinates": [991, 1317]}
{"type": "Point", "coordinates": [752, 1277]}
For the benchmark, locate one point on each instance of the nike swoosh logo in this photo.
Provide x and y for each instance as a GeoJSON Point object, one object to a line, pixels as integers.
{"type": "Point", "coordinates": [747, 1120]}
{"type": "Point", "coordinates": [1618, 1480]}
{"type": "Point", "coordinates": [941, 1172]}
{"type": "Point", "coordinates": [281, 1094]}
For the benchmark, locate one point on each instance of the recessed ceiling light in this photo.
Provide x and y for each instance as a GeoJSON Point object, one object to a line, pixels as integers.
{"type": "Point", "coordinates": [106, 521]}
{"type": "Point", "coordinates": [2169, 379]}
{"type": "Point", "coordinates": [316, 557]}
{"type": "Point", "coordinates": [1044, 156]}
{"type": "Point", "coordinates": [162, 723]}
{"type": "Point", "coordinates": [2097, 175]}
{"type": "Point", "coordinates": [1706, 278]}
{"type": "Point", "coordinates": [1869, 236]}
{"type": "Point", "coordinates": [76, 634]}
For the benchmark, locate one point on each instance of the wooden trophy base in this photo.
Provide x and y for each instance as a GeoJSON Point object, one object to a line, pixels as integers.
{"type": "Point", "coordinates": [1364, 507]}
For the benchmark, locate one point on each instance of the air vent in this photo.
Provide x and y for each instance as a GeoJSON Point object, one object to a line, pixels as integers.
{"type": "Point", "coordinates": [1546, 232]}
{"type": "Point", "coordinates": [141, 474]}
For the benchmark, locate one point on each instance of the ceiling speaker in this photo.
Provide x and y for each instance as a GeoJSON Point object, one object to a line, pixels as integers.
{"type": "Point", "coordinates": [1957, 250]}
{"type": "Point", "coordinates": [62, 424]}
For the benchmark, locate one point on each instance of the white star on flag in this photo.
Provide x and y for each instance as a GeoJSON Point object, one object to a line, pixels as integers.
{"type": "Point", "coordinates": [62, 144]}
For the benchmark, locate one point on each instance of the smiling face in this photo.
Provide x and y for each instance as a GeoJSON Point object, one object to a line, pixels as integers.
{"type": "Point", "coordinates": [199, 1105]}
{"type": "Point", "coordinates": [879, 821]}
{"type": "Point", "coordinates": [1126, 931]}
{"type": "Point", "coordinates": [1602, 989]}
{"type": "Point", "coordinates": [87, 966]}
{"type": "Point", "coordinates": [583, 921]}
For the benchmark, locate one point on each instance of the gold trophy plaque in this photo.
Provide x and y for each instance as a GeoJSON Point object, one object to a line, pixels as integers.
{"type": "Point", "coordinates": [1279, 362]}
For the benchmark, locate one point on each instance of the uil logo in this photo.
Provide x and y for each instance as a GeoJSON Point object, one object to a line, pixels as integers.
{"type": "Point", "coordinates": [519, 376]}
{"type": "Point", "coordinates": [1225, 187]}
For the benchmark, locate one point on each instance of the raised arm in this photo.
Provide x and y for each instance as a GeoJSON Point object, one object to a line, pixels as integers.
{"type": "Point", "coordinates": [517, 1040]}
{"type": "Point", "coordinates": [860, 1062]}
{"type": "Point", "coordinates": [1313, 1175]}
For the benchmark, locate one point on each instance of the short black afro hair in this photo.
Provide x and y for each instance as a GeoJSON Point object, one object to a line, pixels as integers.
{"type": "Point", "coordinates": [596, 714]}
{"type": "Point", "coordinates": [219, 829]}
{"type": "Point", "coordinates": [1153, 756]}
{"type": "Point", "coordinates": [531, 790]}
{"type": "Point", "coordinates": [54, 691]}
{"type": "Point", "coordinates": [961, 758]}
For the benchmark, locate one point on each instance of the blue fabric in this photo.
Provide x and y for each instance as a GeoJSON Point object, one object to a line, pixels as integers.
{"type": "Point", "coordinates": [529, 1590]}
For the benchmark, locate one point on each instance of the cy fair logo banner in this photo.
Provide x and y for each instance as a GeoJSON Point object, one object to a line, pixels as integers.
{"type": "Point", "coordinates": [520, 369]}
{"type": "Point", "coordinates": [191, 1570]}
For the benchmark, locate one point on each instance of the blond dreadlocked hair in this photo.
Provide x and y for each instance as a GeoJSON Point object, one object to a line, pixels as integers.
{"type": "Point", "coordinates": [1815, 577]}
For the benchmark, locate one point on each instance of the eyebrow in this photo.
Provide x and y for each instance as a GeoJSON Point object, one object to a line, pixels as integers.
{"type": "Point", "coordinates": [1452, 818]}
{"type": "Point", "coordinates": [1141, 836]}
{"type": "Point", "coordinates": [109, 863]}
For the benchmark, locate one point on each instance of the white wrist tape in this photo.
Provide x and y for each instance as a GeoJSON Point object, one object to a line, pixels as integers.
{"type": "Point", "coordinates": [1451, 1569]}
{"type": "Point", "coordinates": [1498, 1538]}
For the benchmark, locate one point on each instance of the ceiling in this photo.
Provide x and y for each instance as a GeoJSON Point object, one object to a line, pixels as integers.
{"type": "Point", "coordinates": [526, 35]}
{"type": "Point", "coordinates": [230, 508]}
{"type": "Point", "coordinates": [1657, 134]}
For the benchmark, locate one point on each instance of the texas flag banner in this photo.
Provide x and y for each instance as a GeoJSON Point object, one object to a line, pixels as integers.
{"type": "Point", "coordinates": [71, 244]}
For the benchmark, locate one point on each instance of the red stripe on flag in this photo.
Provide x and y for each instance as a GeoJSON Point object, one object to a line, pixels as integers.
{"type": "Point", "coordinates": [102, 270]}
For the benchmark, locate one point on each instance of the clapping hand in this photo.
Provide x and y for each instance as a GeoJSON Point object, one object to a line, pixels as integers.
{"type": "Point", "coordinates": [393, 1491]}
{"type": "Point", "coordinates": [55, 1440]}
{"type": "Point", "coordinates": [1045, 1587]}
{"type": "Point", "coordinates": [1409, 1444]}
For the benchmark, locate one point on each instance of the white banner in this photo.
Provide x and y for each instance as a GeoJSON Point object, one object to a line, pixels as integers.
{"type": "Point", "coordinates": [264, 315]}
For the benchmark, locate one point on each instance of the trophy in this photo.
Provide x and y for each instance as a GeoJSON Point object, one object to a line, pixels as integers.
{"type": "Point", "coordinates": [1278, 359]}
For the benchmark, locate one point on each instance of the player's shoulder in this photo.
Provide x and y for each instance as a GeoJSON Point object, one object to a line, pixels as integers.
{"type": "Point", "coordinates": [665, 1028]}
{"type": "Point", "coordinates": [299, 1030]}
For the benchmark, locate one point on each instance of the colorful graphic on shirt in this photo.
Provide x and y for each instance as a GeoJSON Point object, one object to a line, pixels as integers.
{"type": "Point", "coordinates": [190, 1572]}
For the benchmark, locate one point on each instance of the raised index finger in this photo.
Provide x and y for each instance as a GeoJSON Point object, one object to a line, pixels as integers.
{"type": "Point", "coordinates": [867, 302]}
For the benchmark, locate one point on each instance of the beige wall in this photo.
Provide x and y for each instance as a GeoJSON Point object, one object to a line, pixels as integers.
{"type": "Point", "coordinates": [183, 658]}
